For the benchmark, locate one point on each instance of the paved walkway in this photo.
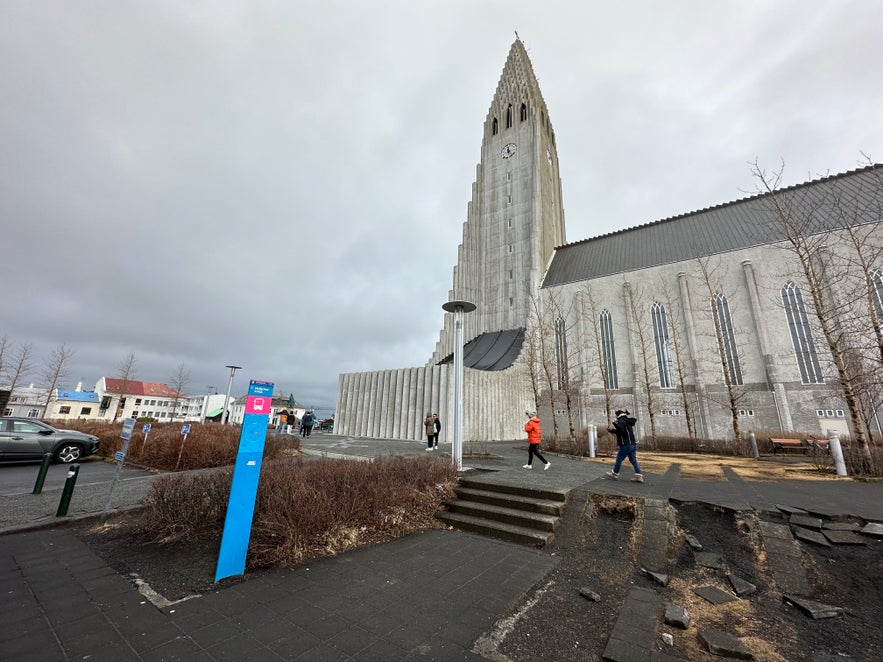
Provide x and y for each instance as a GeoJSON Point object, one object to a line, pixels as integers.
{"type": "Point", "coordinates": [428, 596]}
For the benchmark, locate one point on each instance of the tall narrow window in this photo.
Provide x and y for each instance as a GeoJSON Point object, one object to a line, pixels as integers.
{"type": "Point", "coordinates": [561, 352]}
{"type": "Point", "coordinates": [801, 335]}
{"type": "Point", "coordinates": [509, 117]}
{"type": "Point", "coordinates": [608, 350]}
{"type": "Point", "coordinates": [877, 285]}
{"type": "Point", "coordinates": [494, 125]}
{"type": "Point", "coordinates": [728, 338]}
{"type": "Point", "coordinates": [663, 347]}
{"type": "Point", "coordinates": [523, 112]}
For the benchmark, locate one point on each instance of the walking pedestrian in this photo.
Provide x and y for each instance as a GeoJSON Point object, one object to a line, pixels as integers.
{"type": "Point", "coordinates": [429, 429]}
{"type": "Point", "coordinates": [283, 420]}
{"type": "Point", "coordinates": [532, 427]}
{"type": "Point", "coordinates": [306, 424]}
{"type": "Point", "coordinates": [624, 429]}
{"type": "Point", "coordinates": [437, 430]}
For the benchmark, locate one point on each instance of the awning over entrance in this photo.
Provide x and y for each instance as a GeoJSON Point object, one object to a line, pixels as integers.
{"type": "Point", "coordinates": [214, 412]}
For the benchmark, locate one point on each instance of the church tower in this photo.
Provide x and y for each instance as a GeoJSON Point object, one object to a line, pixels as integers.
{"type": "Point", "coordinates": [515, 218]}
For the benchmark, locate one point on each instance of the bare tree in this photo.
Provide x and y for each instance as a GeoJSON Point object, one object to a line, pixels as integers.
{"type": "Point", "coordinates": [55, 370]}
{"type": "Point", "coordinates": [646, 369]}
{"type": "Point", "coordinates": [19, 366]}
{"type": "Point", "coordinates": [596, 342]}
{"type": "Point", "coordinates": [673, 318]}
{"type": "Point", "coordinates": [4, 345]}
{"type": "Point", "coordinates": [531, 357]}
{"type": "Point", "coordinates": [179, 382]}
{"type": "Point", "coordinates": [564, 358]}
{"type": "Point", "coordinates": [126, 373]}
{"type": "Point", "coordinates": [798, 220]}
{"type": "Point", "coordinates": [545, 347]}
{"type": "Point", "coordinates": [726, 355]}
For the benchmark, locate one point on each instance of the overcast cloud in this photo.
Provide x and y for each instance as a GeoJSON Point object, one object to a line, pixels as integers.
{"type": "Point", "coordinates": [282, 185]}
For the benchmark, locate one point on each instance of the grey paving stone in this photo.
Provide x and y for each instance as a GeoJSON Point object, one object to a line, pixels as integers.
{"type": "Point", "coordinates": [841, 526]}
{"type": "Point", "coordinates": [693, 541]}
{"type": "Point", "coordinates": [805, 521]}
{"type": "Point", "coordinates": [724, 644]}
{"type": "Point", "coordinates": [843, 537]}
{"type": "Point", "coordinates": [658, 577]}
{"type": "Point", "coordinates": [811, 536]}
{"type": "Point", "coordinates": [813, 608]}
{"type": "Point", "coordinates": [771, 530]}
{"type": "Point", "coordinates": [714, 595]}
{"type": "Point", "coordinates": [741, 586]}
{"type": "Point", "coordinates": [677, 616]}
{"type": "Point", "coordinates": [873, 529]}
{"type": "Point", "coordinates": [710, 560]}
{"type": "Point", "coordinates": [788, 510]}
{"type": "Point", "coordinates": [618, 650]}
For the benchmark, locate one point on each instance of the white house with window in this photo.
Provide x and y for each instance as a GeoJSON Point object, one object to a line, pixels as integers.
{"type": "Point", "coordinates": [74, 404]}
{"type": "Point", "coordinates": [26, 402]}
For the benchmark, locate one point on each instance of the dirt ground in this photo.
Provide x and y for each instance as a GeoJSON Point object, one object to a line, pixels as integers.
{"type": "Point", "coordinates": [556, 623]}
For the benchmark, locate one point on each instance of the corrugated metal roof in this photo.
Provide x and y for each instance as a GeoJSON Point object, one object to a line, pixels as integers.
{"type": "Point", "coordinates": [822, 203]}
{"type": "Point", "coordinates": [496, 350]}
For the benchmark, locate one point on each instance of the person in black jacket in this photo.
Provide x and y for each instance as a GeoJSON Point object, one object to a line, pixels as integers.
{"type": "Point", "coordinates": [624, 429]}
{"type": "Point", "coordinates": [437, 430]}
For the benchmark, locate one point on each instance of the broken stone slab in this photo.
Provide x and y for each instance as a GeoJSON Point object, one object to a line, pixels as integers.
{"type": "Point", "coordinates": [741, 586]}
{"type": "Point", "coordinates": [589, 594]}
{"type": "Point", "coordinates": [843, 537]}
{"type": "Point", "coordinates": [806, 521]}
{"type": "Point", "coordinates": [677, 616]}
{"type": "Point", "coordinates": [668, 639]}
{"type": "Point", "coordinates": [788, 510]}
{"type": "Point", "coordinates": [811, 536]}
{"type": "Point", "coordinates": [813, 608]}
{"type": "Point", "coordinates": [841, 526]}
{"type": "Point", "coordinates": [873, 529]}
{"type": "Point", "coordinates": [693, 541]}
{"type": "Point", "coordinates": [724, 644]}
{"type": "Point", "coordinates": [658, 577]}
{"type": "Point", "coordinates": [710, 560]}
{"type": "Point", "coordinates": [714, 595]}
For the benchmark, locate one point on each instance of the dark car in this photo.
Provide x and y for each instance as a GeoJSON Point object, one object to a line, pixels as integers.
{"type": "Point", "coordinates": [30, 439]}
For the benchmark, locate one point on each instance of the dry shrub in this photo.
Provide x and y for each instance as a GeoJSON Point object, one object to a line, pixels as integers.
{"type": "Point", "coordinates": [307, 509]}
{"type": "Point", "coordinates": [207, 445]}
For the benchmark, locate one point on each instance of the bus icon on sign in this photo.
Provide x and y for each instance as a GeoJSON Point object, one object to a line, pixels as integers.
{"type": "Point", "coordinates": [259, 404]}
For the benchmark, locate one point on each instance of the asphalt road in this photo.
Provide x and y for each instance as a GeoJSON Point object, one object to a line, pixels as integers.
{"type": "Point", "coordinates": [20, 478]}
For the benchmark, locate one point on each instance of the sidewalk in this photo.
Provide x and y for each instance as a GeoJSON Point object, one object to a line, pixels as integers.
{"type": "Point", "coordinates": [428, 596]}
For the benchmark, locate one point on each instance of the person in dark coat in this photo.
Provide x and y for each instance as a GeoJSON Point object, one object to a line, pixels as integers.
{"type": "Point", "coordinates": [624, 429]}
{"type": "Point", "coordinates": [437, 424]}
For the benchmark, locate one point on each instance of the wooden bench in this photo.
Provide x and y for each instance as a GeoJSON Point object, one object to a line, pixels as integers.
{"type": "Point", "coordinates": [821, 445]}
{"type": "Point", "coordinates": [782, 445]}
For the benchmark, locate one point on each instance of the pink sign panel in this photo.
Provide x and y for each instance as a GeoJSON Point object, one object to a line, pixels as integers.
{"type": "Point", "coordinates": [257, 404]}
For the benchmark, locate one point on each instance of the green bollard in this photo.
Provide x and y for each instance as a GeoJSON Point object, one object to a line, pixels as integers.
{"type": "Point", "coordinates": [41, 475]}
{"type": "Point", "coordinates": [68, 490]}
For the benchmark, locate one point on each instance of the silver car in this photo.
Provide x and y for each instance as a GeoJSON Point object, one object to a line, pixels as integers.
{"type": "Point", "coordinates": [30, 439]}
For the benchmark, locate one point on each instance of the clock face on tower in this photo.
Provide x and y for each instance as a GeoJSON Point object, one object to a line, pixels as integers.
{"type": "Point", "coordinates": [508, 150]}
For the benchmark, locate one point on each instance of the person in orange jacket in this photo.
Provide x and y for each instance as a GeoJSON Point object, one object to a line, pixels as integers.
{"type": "Point", "coordinates": [532, 427]}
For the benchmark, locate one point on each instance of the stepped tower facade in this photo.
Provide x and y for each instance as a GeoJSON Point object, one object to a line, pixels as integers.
{"type": "Point", "coordinates": [514, 221]}
{"type": "Point", "coordinates": [515, 218]}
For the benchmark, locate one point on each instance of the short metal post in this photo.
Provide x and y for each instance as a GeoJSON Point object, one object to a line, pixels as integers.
{"type": "Point", "coordinates": [754, 452]}
{"type": "Point", "coordinates": [41, 475]}
{"type": "Point", "coordinates": [593, 437]}
{"type": "Point", "coordinates": [836, 452]}
{"type": "Point", "coordinates": [68, 490]}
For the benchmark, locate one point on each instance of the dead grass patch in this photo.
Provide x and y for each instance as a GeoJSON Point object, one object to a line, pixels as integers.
{"type": "Point", "coordinates": [710, 467]}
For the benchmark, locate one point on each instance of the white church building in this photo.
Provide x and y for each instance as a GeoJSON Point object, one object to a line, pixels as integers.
{"type": "Point", "coordinates": [696, 319]}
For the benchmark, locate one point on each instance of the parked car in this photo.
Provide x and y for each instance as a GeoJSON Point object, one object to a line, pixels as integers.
{"type": "Point", "coordinates": [30, 439]}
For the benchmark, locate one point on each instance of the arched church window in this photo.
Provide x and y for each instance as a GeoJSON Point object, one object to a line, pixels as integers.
{"type": "Point", "coordinates": [608, 350]}
{"type": "Point", "coordinates": [801, 335]}
{"type": "Point", "coordinates": [523, 112]}
{"type": "Point", "coordinates": [509, 117]}
{"type": "Point", "coordinates": [663, 345]}
{"type": "Point", "coordinates": [494, 125]}
{"type": "Point", "coordinates": [721, 311]}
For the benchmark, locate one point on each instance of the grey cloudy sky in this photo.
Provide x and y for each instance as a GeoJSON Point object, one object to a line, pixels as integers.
{"type": "Point", "coordinates": [282, 185]}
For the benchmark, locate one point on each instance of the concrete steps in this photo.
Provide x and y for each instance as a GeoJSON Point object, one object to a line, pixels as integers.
{"type": "Point", "coordinates": [526, 515]}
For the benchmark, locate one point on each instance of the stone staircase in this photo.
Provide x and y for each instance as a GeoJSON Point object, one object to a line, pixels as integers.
{"type": "Point", "coordinates": [526, 515]}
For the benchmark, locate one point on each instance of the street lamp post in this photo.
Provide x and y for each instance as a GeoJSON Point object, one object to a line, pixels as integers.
{"type": "Point", "coordinates": [458, 308]}
{"type": "Point", "coordinates": [205, 400]}
{"type": "Point", "coordinates": [225, 417]}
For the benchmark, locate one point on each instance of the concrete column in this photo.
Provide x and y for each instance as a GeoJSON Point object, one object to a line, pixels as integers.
{"type": "Point", "coordinates": [633, 340]}
{"type": "Point", "coordinates": [704, 416]}
{"type": "Point", "coordinates": [772, 371]}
